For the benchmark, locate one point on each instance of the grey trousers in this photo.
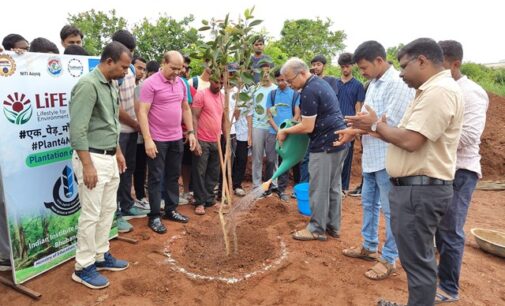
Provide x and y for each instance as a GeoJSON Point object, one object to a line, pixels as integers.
{"type": "Point", "coordinates": [325, 190]}
{"type": "Point", "coordinates": [259, 139]}
{"type": "Point", "coordinates": [5, 250]}
{"type": "Point", "coordinates": [416, 212]}
{"type": "Point", "coordinates": [205, 173]}
{"type": "Point", "coordinates": [273, 164]}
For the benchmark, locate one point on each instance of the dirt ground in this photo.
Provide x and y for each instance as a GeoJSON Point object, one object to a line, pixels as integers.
{"type": "Point", "coordinates": [270, 268]}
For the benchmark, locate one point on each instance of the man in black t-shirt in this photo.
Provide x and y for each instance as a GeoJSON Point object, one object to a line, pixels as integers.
{"type": "Point", "coordinates": [321, 118]}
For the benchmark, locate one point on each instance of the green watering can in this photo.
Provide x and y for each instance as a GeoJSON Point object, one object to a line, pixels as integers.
{"type": "Point", "coordinates": [292, 151]}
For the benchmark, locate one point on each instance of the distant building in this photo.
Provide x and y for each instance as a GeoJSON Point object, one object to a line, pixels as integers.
{"type": "Point", "coordinates": [500, 64]}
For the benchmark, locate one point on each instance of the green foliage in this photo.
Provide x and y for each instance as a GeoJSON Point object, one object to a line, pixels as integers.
{"type": "Point", "coordinates": [97, 27]}
{"type": "Point", "coordinates": [392, 55]}
{"type": "Point", "coordinates": [275, 51]}
{"type": "Point", "coordinates": [491, 79]}
{"type": "Point", "coordinates": [164, 34]}
{"type": "Point", "coordinates": [305, 38]}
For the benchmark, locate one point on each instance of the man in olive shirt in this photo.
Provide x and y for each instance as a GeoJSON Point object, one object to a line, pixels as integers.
{"type": "Point", "coordinates": [421, 161]}
{"type": "Point", "coordinates": [97, 162]}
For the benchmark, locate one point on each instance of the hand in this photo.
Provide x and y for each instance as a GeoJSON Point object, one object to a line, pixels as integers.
{"type": "Point", "coordinates": [198, 149]}
{"type": "Point", "coordinates": [249, 142]}
{"type": "Point", "coordinates": [346, 135]}
{"type": "Point", "coordinates": [362, 120]}
{"type": "Point", "coordinates": [151, 149]}
{"type": "Point", "coordinates": [121, 162]}
{"type": "Point", "coordinates": [89, 175]}
{"type": "Point", "coordinates": [192, 142]}
{"type": "Point", "coordinates": [281, 136]}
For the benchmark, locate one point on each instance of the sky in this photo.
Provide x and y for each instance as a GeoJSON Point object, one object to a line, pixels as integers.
{"type": "Point", "coordinates": [478, 25]}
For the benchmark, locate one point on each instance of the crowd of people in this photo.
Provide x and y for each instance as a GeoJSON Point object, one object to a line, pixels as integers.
{"type": "Point", "coordinates": [419, 128]}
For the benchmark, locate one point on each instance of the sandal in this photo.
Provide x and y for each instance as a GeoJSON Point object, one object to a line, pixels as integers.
{"type": "Point", "coordinates": [361, 252]}
{"type": "Point", "coordinates": [200, 210]}
{"type": "Point", "coordinates": [306, 235]}
{"type": "Point", "coordinates": [381, 270]}
{"type": "Point", "coordinates": [442, 297]}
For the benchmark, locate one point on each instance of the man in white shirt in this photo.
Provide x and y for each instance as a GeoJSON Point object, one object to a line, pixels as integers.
{"type": "Point", "coordinates": [450, 236]}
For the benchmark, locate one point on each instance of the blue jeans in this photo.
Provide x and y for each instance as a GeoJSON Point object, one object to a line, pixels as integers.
{"type": "Point", "coordinates": [346, 171]}
{"type": "Point", "coordinates": [375, 195]}
{"type": "Point", "coordinates": [304, 168]}
{"type": "Point", "coordinates": [450, 236]}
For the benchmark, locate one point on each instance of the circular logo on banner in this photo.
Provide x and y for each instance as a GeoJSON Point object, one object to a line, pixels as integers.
{"type": "Point", "coordinates": [75, 68]}
{"type": "Point", "coordinates": [65, 196]}
{"type": "Point", "coordinates": [7, 65]}
{"type": "Point", "coordinates": [54, 66]}
{"type": "Point", "coordinates": [17, 108]}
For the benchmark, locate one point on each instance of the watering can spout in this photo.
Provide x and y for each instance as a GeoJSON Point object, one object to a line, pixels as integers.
{"type": "Point", "coordinates": [292, 151]}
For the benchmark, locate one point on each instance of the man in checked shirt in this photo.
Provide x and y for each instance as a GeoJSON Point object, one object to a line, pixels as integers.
{"type": "Point", "coordinates": [388, 95]}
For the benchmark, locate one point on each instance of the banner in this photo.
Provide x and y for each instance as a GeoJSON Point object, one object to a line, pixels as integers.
{"type": "Point", "coordinates": [40, 188]}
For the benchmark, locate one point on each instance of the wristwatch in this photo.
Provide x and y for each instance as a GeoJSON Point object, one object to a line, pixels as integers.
{"type": "Point", "coordinates": [373, 127]}
{"type": "Point", "coordinates": [191, 132]}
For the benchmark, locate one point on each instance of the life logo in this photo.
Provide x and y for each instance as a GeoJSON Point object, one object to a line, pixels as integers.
{"type": "Point", "coordinates": [65, 196]}
{"type": "Point", "coordinates": [54, 66]}
{"type": "Point", "coordinates": [7, 65]}
{"type": "Point", "coordinates": [17, 108]}
{"type": "Point", "coordinates": [75, 67]}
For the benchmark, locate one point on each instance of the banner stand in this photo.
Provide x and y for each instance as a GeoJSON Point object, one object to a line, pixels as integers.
{"type": "Point", "coordinates": [20, 288]}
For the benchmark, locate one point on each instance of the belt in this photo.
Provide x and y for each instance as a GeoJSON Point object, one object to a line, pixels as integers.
{"type": "Point", "coordinates": [418, 180]}
{"type": "Point", "coordinates": [103, 151]}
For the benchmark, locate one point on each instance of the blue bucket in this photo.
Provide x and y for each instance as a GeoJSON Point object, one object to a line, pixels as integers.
{"type": "Point", "coordinates": [302, 198]}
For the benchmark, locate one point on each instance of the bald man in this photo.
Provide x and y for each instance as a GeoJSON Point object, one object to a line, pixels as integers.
{"type": "Point", "coordinates": [163, 106]}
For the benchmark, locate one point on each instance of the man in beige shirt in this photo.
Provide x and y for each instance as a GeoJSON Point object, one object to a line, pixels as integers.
{"type": "Point", "coordinates": [421, 161]}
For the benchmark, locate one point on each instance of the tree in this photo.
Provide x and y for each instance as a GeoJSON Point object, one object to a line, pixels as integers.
{"type": "Point", "coordinates": [97, 27]}
{"type": "Point", "coordinates": [230, 42]}
{"type": "Point", "coordinates": [306, 38]}
{"type": "Point", "coordinates": [166, 33]}
{"type": "Point", "coordinates": [392, 54]}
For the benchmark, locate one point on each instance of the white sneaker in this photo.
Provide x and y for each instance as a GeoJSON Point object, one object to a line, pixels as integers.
{"type": "Point", "coordinates": [183, 201]}
{"type": "Point", "coordinates": [142, 204]}
{"type": "Point", "coordinates": [240, 192]}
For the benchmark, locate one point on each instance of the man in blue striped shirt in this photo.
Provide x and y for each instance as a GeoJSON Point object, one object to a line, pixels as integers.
{"type": "Point", "coordinates": [351, 95]}
{"type": "Point", "coordinates": [389, 96]}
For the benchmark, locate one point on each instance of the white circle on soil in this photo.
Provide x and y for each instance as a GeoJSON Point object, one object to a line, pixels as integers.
{"type": "Point", "coordinates": [229, 280]}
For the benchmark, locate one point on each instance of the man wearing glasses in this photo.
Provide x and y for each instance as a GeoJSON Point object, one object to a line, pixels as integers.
{"type": "Point", "coordinates": [321, 118]}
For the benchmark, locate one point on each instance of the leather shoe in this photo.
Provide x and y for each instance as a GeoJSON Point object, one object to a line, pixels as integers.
{"type": "Point", "coordinates": [175, 216]}
{"type": "Point", "coordinates": [156, 225]}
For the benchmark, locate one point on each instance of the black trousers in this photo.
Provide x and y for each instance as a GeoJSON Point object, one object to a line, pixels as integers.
{"type": "Point", "coordinates": [205, 173]}
{"type": "Point", "coordinates": [139, 176]}
{"type": "Point", "coordinates": [416, 212]}
{"type": "Point", "coordinates": [239, 163]}
{"type": "Point", "coordinates": [128, 145]}
{"type": "Point", "coordinates": [166, 165]}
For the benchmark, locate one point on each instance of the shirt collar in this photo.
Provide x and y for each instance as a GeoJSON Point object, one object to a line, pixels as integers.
{"type": "Point", "coordinates": [434, 79]}
{"type": "Point", "coordinates": [165, 80]}
{"type": "Point", "coordinates": [310, 79]}
{"type": "Point", "coordinates": [388, 74]}
{"type": "Point", "coordinates": [100, 76]}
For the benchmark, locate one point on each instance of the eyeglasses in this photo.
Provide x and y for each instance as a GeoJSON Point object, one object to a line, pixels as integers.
{"type": "Point", "coordinates": [289, 81]}
{"type": "Point", "coordinates": [402, 67]}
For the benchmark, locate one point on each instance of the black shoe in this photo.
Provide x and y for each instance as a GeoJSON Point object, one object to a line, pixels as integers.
{"type": "Point", "coordinates": [175, 216]}
{"type": "Point", "coordinates": [266, 194]}
{"type": "Point", "coordinates": [156, 225]}
{"type": "Point", "coordinates": [332, 232]}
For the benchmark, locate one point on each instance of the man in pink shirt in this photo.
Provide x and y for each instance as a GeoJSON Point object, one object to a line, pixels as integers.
{"type": "Point", "coordinates": [163, 106]}
{"type": "Point", "coordinates": [208, 122]}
